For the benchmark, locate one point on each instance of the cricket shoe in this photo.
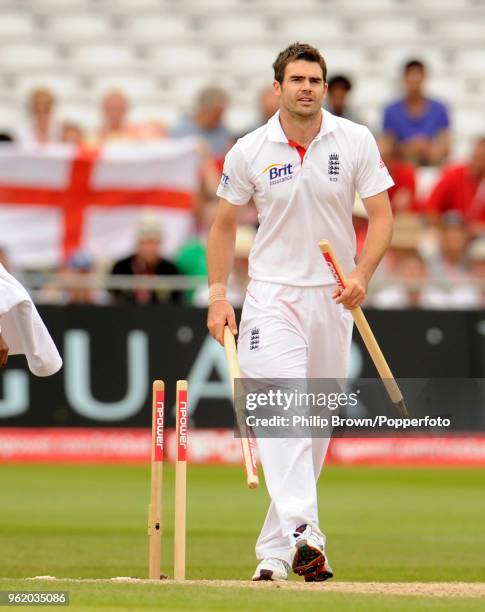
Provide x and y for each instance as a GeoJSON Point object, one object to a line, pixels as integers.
{"type": "Point", "coordinates": [271, 569]}
{"type": "Point", "coordinates": [309, 558]}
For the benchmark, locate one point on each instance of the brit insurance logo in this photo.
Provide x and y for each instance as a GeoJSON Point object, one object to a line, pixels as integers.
{"type": "Point", "coordinates": [333, 166]}
{"type": "Point", "coordinates": [278, 173]}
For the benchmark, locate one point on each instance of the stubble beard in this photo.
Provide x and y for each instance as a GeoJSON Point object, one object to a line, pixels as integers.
{"type": "Point", "coordinates": [309, 115]}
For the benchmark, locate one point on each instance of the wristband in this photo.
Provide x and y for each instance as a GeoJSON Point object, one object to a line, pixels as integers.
{"type": "Point", "coordinates": [217, 292]}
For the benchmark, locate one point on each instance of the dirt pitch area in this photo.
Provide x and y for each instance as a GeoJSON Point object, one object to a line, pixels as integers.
{"type": "Point", "coordinates": [424, 589]}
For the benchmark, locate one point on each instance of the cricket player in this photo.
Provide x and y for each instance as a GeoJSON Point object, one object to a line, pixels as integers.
{"type": "Point", "coordinates": [302, 170]}
{"type": "Point", "coordinates": [22, 331]}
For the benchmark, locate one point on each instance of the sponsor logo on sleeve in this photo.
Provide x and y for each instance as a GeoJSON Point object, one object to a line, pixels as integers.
{"type": "Point", "coordinates": [224, 179]}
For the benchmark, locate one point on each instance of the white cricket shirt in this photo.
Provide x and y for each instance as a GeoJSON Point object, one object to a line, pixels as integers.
{"type": "Point", "coordinates": [301, 203]}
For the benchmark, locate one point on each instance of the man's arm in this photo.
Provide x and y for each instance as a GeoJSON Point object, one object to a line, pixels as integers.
{"type": "Point", "coordinates": [440, 148]}
{"type": "Point", "coordinates": [378, 239]}
{"type": "Point", "coordinates": [220, 257]}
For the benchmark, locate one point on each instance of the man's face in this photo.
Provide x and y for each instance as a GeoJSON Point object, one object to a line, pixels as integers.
{"type": "Point", "coordinates": [42, 103]}
{"type": "Point", "coordinates": [454, 239]}
{"type": "Point", "coordinates": [303, 89]}
{"type": "Point", "coordinates": [115, 106]}
{"type": "Point", "coordinates": [210, 117]}
{"type": "Point", "coordinates": [338, 97]}
{"type": "Point", "coordinates": [268, 103]}
{"type": "Point", "coordinates": [149, 250]}
{"type": "Point", "coordinates": [414, 80]}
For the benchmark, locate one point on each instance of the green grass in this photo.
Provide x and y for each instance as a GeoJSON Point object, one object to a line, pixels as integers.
{"type": "Point", "coordinates": [381, 524]}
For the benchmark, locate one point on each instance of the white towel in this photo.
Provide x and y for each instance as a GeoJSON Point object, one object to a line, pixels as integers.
{"type": "Point", "coordinates": [23, 329]}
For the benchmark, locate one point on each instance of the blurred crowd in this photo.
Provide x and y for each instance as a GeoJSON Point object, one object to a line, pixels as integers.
{"type": "Point", "coordinates": [437, 257]}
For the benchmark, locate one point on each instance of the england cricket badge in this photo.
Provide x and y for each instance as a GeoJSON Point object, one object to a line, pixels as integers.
{"type": "Point", "coordinates": [254, 339]}
{"type": "Point", "coordinates": [333, 166]}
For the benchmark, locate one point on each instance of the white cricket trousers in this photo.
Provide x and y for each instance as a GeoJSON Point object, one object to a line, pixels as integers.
{"type": "Point", "coordinates": [296, 333]}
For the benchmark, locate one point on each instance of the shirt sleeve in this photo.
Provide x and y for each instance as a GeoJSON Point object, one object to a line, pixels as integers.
{"type": "Point", "coordinates": [372, 176]}
{"type": "Point", "coordinates": [388, 123]}
{"type": "Point", "coordinates": [444, 119]}
{"type": "Point", "coordinates": [235, 186]}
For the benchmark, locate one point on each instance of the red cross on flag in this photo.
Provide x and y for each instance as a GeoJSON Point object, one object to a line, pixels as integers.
{"type": "Point", "coordinates": [57, 198]}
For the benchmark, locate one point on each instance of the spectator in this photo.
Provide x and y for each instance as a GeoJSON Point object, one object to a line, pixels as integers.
{"type": "Point", "coordinates": [411, 288]}
{"type": "Point", "coordinates": [417, 124]}
{"type": "Point", "coordinates": [72, 133]}
{"type": "Point", "coordinates": [336, 101]}
{"type": "Point", "coordinates": [403, 193]}
{"type": "Point", "coordinates": [146, 261]}
{"type": "Point", "coordinates": [42, 126]}
{"type": "Point", "coordinates": [116, 126]}
{"type": "Point", "coordinates": [208, 122]}
{"type": "Point", "coordinates": [447, 261]}
{"type": "Point", "coordinates": [408, 284]}
{"type": "Point", "coordinates": [461, 187]}
{"type": "Point", "coordinates": [81, 265]}
{"type": "Point", "coordinates": [268, 105]}
{"type": "Point", "coordinates": [471, 294]}
{"type": "Point", "coordinates": [70, 288]}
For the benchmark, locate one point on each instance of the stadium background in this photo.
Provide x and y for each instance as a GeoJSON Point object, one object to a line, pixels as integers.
{"type": "Point", "coordinates": [160, 53]}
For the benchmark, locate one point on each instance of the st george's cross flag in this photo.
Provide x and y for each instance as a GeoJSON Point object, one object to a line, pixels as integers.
{"type": "Point", "coordinates": [57, 198]}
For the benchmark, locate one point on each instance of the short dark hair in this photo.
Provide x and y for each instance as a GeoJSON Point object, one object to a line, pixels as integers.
{"type": "Point", "coordinates": [297, 51]}
{"type": "Point", "coordinates": [340, 80]}
{"type": "Point", "coordinates": [414, 63]}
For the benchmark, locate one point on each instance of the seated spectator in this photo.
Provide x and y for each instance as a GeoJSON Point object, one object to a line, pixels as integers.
{"type": "Point", "coordinates": [411, 287]}
{"type": "Point", "coordinates": [447, 261]}
{"type": "Point", "coordinates": [461, 187]}
{"type": "Point", "coordinates": [71, 286]}
{"type": "Point", "coordinates": [146, 261]}
{"type": "Point", "coordinates": [471, 294]}
{"type": "Point", "coordinates": [403, 193]}
{"type": "Point", "coordinates": [339, 87]}
{"type": "Point", "coordinates": [238, 279]}
{"type": "Point", "coordinates": [417, 124]}
{"type": "Point", "coordinates": [42, 125]}
{"type": "Point", "coordinates": [81, 265]}
{"type": "Point", "coordinates": [72, 133]}
{"type": "Point", "coordinates": [207, 122]}
{"type": "Point", "coordinates": [268, 105]}
{"type": "Point", "coordinates": [116, 126]}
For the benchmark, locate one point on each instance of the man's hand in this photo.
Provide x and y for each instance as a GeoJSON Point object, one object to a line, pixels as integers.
{"type": "Point", "coordinates": [355, 291]}
{"type": "Point", "coordinates": [3, 352]}
{"type": "Point", "coordinates": [221, 313]}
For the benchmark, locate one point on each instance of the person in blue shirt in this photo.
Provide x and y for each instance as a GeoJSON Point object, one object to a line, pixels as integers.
{"type": "Point", "coordinates": [419, 126]}
{"type": "Point", "coordinates": [207, 122]}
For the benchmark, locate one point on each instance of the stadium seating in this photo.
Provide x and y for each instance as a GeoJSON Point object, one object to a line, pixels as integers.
{"type": "Point", "coordinates": [162, 51]}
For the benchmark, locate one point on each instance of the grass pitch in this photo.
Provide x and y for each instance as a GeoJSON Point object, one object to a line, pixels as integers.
{"type": "Point", "coordinates": [382, 525]}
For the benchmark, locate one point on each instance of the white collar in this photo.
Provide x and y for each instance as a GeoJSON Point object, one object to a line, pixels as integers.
{"type": "Point", "coordinates": [276, 133]}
